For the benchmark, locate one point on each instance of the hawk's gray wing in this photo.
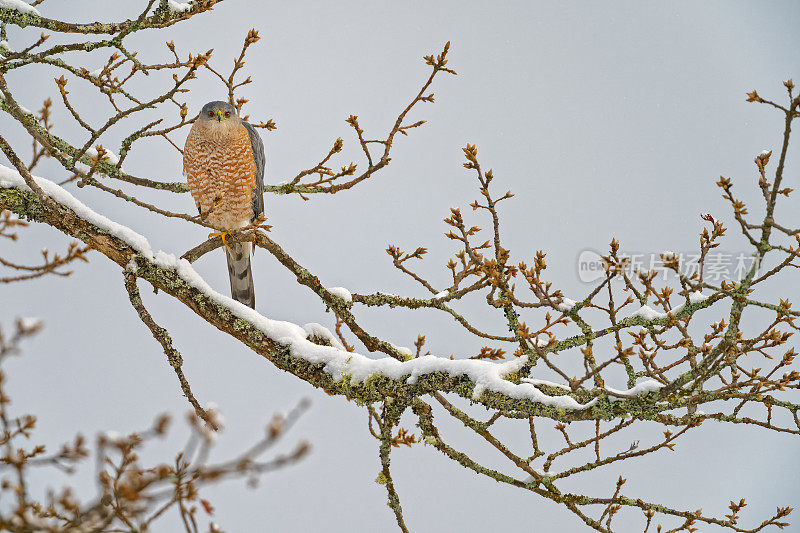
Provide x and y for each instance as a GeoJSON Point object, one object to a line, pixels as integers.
{"type": "Point", "coordinates": [258, 154]}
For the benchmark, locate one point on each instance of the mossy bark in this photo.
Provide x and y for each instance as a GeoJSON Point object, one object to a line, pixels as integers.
{"type": "Point", "coordinates": [375, 389]}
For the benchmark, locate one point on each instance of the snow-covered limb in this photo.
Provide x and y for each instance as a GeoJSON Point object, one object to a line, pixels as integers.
{"type": "Point", "coordinates": [21, 13]}
{"type": "Point", "coordinates": [648, 313]}
{"type": "Point", "coordinates": [179, 7]}
{"type": "Point", "coordinates": [546, 383]}
{"type": "Point", "coordinates": [318, 331]}
{"type": "Point", "coordinates": [342, 293]}
{"type": "Point", "coordinates": [566, 305]}
{"type": "Point", "coordinates": [644, 387]}
{"type": "Point", "coordinates": [18, 5]}
{"type": "Point", "coordinates": [345, 370]}
{"type": "Point", "coordinates": [403, 350]}
{"type": "Point", "coordinates": [109, 156]}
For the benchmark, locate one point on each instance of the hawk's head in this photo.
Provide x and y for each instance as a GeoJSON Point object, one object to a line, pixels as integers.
{"type": "Point", "coordinates": [218, 112]}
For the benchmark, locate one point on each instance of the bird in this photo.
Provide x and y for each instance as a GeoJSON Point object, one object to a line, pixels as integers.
{"type": "Point", "coordinates": [223, 162]}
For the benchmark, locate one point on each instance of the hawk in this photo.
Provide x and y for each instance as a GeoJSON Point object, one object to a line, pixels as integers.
{"type": "Point", "coordinates": [223, 162]}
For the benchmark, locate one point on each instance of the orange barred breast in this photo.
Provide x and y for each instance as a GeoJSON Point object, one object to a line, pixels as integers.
{"type": "Point", "coordinates": [221, 174]}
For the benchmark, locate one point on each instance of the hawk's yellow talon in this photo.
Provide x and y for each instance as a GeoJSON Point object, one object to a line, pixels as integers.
{"type": "Point", "coordinates": [222, 235]}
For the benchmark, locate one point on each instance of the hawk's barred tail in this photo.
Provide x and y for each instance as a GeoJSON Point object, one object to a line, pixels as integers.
{"type": "Point", "coordinates": [241, 277]}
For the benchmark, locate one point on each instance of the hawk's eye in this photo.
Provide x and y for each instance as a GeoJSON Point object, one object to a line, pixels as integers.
{"type": "Point", "coordinates": [210, 113]}
{"type": "Point", "coordinates": [227, 114]}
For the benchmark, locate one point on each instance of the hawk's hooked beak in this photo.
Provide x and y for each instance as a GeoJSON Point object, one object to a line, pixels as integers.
{"type": "Point", "coordinates": [219, 116]}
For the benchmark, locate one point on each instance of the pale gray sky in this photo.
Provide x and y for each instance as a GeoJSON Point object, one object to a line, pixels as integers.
{"type": "Point", "coordinates": [608, 119]}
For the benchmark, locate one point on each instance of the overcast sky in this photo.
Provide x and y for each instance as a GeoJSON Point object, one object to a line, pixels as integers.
{"type": "Point", "coordinates": [609, 119]}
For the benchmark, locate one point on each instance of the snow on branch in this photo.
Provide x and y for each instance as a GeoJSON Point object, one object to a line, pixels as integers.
{"type": "Point", "coordinates": [18, 5]}
{"type": "Point", "coordinates": [337, 362]}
